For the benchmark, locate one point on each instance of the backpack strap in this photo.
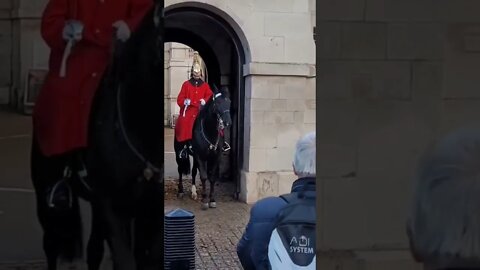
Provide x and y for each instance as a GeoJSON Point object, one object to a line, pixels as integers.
{"type": "Point", "coordinates": [305, 188]}
{"type": "Point", "coordinates": [289, 197]}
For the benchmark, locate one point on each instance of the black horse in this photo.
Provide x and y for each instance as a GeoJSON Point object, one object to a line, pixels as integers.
{"type": "Point", "coordinates": [124, 165]}
{"type": "Point", "coordinates": [207, 146]}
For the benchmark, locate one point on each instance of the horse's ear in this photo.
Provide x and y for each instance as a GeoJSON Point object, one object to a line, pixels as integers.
{"type": "Point", "coordinates": [225, 92]}
{"type": "Point", "coordinates": [215, 89]}
{"type": "Point", "coordinates": [158, 12]}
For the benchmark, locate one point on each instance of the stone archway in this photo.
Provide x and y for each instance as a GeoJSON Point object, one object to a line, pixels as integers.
{"type": "Point", "coordinates": [224, 49]}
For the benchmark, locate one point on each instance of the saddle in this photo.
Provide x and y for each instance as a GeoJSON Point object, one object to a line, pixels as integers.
{"type": "Point", "coordinates": [187, 150]}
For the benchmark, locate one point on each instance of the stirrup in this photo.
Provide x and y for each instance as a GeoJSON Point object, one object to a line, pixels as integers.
{"type": "Point", "coordinates": [190, 150]}
{"type": "Point", "coordinates": [227, 148]}
{"type": "Point", "coordinates": [183, 153]}
{"type": "Point", "coordinates": [54, 198]}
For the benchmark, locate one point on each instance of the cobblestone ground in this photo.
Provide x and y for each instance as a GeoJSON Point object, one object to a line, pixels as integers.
{"type": "Point", "coordinates": [217, 231]}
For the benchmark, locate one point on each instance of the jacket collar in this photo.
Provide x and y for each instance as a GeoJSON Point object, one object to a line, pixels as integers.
{"type": "Point", "coordinates": [195, 82]}
{"type": "Point", "coordinates": [299, 183]}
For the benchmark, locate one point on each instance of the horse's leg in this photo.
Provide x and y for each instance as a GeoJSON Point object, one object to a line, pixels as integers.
{"type": "Point", "coordinates": [145, 234]}
{"type": "Point", "coordinates": [95, 249]}
{"type": "Point", "coordinates": [51, 250]}
{"type": "Point", "coordinates": [202, 167]}
{"type": "Point", "coordinates": [118, 237]}
{"type": "Point", "coordinates": [178, 147]}
{"type": "Point", "coordinates": [38, 175]}
{"type": "Point", "coordinates": [61, 228]}
{"type": "Point", "coordinates": [212, 177]}
{"type": "Point", "coordinates": [140, 246]}
{"type": "Point", "coordinates": [194, 175]}
{"type": "Point", "coordinates": [180, 193]}
{"type": "Point", "coordinates": [148, 235]}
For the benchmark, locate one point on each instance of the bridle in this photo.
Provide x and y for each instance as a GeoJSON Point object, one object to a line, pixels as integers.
{"type": "Point", "coordinates": [220, 125]}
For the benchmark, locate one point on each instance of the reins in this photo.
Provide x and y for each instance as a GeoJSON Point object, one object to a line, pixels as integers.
{"type": "Point", "coordinates": [220, 127]}
{"type": "Point", "coordinates": [115, 76]}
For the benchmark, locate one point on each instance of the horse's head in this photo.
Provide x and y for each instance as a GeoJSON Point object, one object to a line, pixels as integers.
{"type": "Point", "coordinates": [221, 106]}
{"type": "Point", "coordinates": [158, 15]}
{"type": "Point", "coordinates": [139, 60]}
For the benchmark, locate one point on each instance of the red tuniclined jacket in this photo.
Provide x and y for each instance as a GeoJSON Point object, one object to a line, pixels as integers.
{"type": "Point", "coordinates": [184, 124]}
{"type": "Point", "coordinates": [62, 108]}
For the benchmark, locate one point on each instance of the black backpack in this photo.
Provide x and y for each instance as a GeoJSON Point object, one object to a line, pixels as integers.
{"type": "Point", "coordinates": [292, 242]}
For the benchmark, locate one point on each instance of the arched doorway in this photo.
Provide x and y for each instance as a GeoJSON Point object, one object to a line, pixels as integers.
{"type": "Point", "coordinates": [223, 47]}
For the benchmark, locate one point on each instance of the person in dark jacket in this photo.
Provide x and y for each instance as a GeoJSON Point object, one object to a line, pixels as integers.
{"type": "Point", "coordinates": [252, 249]}
{"type": "Point", "coordinates": [444, 224]}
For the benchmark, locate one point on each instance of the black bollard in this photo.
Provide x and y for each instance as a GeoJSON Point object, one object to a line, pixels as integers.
{"type": "Point", "coordinates": [179, 240]}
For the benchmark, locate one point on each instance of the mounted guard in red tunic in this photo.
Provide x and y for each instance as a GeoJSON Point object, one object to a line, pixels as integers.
{"type": "Point", "coordinates": [80, 35]}
{"type": "Point", "coordinates": [194, 94]}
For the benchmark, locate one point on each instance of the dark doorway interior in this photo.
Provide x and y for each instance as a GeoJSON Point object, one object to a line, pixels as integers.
{"type": "Point", "coordinates": [222, 51]}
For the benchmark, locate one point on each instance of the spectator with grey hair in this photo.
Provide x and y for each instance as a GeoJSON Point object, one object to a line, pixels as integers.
{"type": "Point", "coordinates": [252, 249]}
{"type": "Point", "coordinates": [444, 225]}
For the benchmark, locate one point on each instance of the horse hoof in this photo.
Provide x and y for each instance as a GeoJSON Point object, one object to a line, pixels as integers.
{"type": "Point", "coordinates": [213, 205]}
{"type": "Point", "coordinates": [194, 192]}
{"type": "Point", "coordinates": [204, 206]}
{"type": "Point", "coordinates": [180, 195]}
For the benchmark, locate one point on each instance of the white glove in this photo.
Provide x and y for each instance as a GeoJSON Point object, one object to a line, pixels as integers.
{"type": "Point", "coordinates": [123, 31]}
{"type": "Point", "coordinates": [202, 101]}
{"type": "Point", "coordinates": [72, 30]}
{"type": "Point", "coordinates": [187, 102]}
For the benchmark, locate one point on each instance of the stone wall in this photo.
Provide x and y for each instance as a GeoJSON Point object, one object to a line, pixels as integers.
{"type": "Point", "coordinates": [280, 90]}
{"type": "Point", "coordinates": [282, 109]}
{"type": "Point", "coordinates": [22, 47]}
{"type": "Point", "coordinates": [5, 51]}
{"type": "Point", "coordinates": [5, 57]}
{"type": "Point", "coordinates": [395, 75]}
{"type": "Point", "coordinates": [178, 62]}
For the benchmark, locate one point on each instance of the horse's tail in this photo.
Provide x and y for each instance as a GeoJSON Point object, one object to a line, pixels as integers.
{"type": "Point", "coordinates": [183, 165]}
{"type": "Point", "coordinates": [67, 232]}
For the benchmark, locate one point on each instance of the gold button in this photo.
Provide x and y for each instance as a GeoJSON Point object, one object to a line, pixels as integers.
{"type": "Point", "coordinates": [94, 74]}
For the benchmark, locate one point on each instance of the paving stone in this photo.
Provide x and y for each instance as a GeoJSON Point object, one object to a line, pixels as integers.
{"type": "Point", "coordinates": [217, 231]}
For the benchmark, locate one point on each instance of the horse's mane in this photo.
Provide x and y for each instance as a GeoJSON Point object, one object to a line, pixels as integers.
{"type": "Point", "coordinates": [208, 106]}
{"type": "Point", "coordinates": [206, 109]}
{"type": "Point", "coordinates": [137, 50]}
{"type": "Point", "coordinates": [140, 73]}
